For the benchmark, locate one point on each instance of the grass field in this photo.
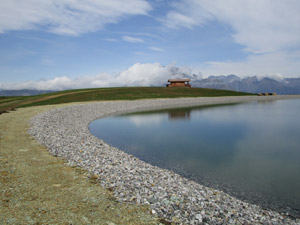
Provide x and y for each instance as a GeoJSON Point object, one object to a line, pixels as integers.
{"type": "Point", "coordinates": [105, 94]}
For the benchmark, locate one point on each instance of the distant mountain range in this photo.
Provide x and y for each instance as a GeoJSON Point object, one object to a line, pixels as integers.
{"type": "Point", "coordinates": [250, 84]}
{"type": "Point", "coordinates": [23, 92]}
{"type": "Point", "coordinates": [230, 82]}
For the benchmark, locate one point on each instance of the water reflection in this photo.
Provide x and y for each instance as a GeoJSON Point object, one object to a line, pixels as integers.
{"type": "Point", "coordinates": [249, 150]}
{"type": "Point", "coordinates": [145, 120]}
{"type": "Point", "coordinates": [180, 115]}
{"type": "Point", "coordinates": [267, 102]}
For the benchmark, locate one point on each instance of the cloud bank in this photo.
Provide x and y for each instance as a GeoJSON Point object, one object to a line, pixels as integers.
{"type": "Point", "coordinates": [149, 74]}
{"type": "Point", "coordinates": [261, 26]}
{"type": "Point", "coordinates": [67, 17]}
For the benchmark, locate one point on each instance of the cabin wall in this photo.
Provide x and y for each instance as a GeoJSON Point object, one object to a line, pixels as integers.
{"type": "Point", "coordinates": [178, 84]}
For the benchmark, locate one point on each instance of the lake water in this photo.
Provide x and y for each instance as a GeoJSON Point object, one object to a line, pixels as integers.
{"type": "Point", "coordinates": [250, 150]}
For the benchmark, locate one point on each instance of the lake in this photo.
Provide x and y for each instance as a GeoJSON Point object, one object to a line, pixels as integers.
{"type": "Point", "coordinates": [249, 150]}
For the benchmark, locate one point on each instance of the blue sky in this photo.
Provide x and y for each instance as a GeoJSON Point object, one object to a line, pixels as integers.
{"type": "Point", "coordinates": [97, 43]}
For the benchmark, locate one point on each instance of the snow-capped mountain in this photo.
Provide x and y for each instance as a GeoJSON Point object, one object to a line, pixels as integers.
{"type": "Point", "coordinates": [250, 84]}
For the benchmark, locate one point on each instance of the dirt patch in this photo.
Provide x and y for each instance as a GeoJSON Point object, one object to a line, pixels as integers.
{"type": "Point", "coordinates": [37, 188]}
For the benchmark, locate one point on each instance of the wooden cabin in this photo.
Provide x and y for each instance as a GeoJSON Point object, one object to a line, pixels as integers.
{"type": "Point", "coordinates": [179, 83]}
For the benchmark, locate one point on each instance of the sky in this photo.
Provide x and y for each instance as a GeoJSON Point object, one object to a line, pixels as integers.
{"type": "Point", "coordinates": [63, 44]}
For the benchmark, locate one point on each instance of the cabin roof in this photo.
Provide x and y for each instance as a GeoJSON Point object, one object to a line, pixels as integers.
{"type": "Point", "coordinates": [179, 80]}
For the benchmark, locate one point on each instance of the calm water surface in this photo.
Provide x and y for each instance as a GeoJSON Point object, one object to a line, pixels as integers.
{"type": "Point", "coordinates": [251, 151]}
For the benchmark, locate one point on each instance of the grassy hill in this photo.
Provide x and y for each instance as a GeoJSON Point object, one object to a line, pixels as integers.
{"type": "Point", "coordinates": [105, 94]}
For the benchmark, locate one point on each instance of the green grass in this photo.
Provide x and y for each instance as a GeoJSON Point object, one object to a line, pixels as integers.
{"type": "Point", "coordinates": [106, 94]}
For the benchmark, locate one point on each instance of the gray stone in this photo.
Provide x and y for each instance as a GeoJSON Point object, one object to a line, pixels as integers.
{"type": "Point", "coordinates": [66, 134]}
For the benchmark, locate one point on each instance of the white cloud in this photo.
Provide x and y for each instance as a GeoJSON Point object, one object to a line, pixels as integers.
{"type": "Point", "coordinates": [268, 30]}
{"type": "Point", "coordinates": [133, 39]}
{"type": "Point", "coordinates": [175, 20]}
{"type": "Point", "coordinates": [281, 64]}
{"type": "Point", "coordinates": [156, 49]}
{"type": "Point", "coordinates": [60, 83]}
{"type": "Point", "coordinates": [149, 74]}
{"type": "Point", "coordinates": [154, 74]}
{"type": "Point", "coordinates": [67, 17]}
{"type": "Point", "coordinates": [259, 25]}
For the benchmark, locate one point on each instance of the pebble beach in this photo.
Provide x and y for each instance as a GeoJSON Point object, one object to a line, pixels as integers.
{"type": "Point", "coordinates": [65, 133]}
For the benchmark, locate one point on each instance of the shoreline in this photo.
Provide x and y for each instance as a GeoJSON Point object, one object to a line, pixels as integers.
{"type": "Point", "coordinates": [169, 195]}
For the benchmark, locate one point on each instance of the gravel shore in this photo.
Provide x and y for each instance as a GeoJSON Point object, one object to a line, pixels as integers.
{"type": "Point", "coordinates": [65, 133]}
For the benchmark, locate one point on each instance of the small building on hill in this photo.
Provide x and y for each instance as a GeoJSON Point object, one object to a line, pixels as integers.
{"type": "Point", "coordinates": [179, 83]}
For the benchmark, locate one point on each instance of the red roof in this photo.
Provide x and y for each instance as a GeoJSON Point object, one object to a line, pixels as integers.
{"type": "Point", "coordinates": [179, 80]}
